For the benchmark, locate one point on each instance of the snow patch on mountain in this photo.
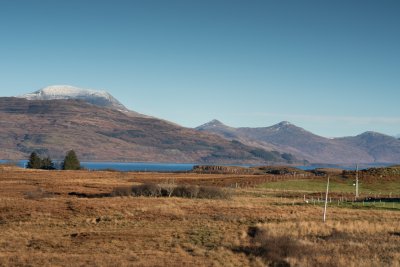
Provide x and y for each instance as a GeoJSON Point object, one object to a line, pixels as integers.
{"type": "Point", "coordinates": [99, 98]}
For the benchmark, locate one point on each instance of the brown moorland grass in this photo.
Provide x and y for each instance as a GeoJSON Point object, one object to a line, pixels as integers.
{"type": "Point", "coordinates": [42, 225]}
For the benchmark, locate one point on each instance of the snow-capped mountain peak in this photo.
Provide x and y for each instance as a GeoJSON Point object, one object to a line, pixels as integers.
{"type": "Point", "coordinates": [284, 123]}
{"type": "Point", "coordinates": [95, 97]}
{"type": "Point", "coordinates": [67, 90]}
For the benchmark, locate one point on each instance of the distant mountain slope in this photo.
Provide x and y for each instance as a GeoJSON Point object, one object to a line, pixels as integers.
{"type": "Point", "coordinates": [96, 133]}
{"type": "Point", "coordinates": [382, 148]}
{"type": "Point", "coordinates": [99, 98]}
{"type": "Point", "coordinates": [286, 137]}
{"type": "Point", "coordinates": [231, 133]}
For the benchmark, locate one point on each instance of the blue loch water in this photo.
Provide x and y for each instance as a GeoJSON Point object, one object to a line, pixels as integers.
{"type": "Point", "coordinates": [179, 167]}
{"type": "Point", "coordinates": [126, 166]}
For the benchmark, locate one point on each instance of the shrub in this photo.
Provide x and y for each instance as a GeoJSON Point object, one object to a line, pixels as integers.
{"type": "Point", "coordinates": [191, 191]}
{"type": "Point", "coordinates": [147, 190]}
{"type": "Point", "coordinates": [121, 192]}
{"type": "Point", "coordinates": [273, 248]}
{"type": "Point", "coordinates": [212, 192]}
{"type": "Point", "coordinates": [167, 190]}
{"type": "Point", "coordinates": [186, 191]}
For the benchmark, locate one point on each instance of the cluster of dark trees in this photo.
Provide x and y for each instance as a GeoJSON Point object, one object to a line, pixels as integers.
{"type": "Point", "coordinates": [36, 162]}
{"type": "Point", "coordinates": [70, 162]}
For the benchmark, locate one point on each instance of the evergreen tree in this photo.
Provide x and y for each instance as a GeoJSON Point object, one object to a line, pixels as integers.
{"type": "Point", "coordinates": [47, 164]}
{"type": "Point", "coordinates": [71, 161]}
{"type": "Point", "coordinates": [34, 161]}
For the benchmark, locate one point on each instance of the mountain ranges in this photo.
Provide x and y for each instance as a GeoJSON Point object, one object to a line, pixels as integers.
{"type": "Point", "coordinates": [98, 127]}
{"type": "Point", "coordinates": [98, 133]}
{"type": "Point", "coordinates": [369, 147]}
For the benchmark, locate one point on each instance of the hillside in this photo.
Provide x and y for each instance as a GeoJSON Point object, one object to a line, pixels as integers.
{"type": "Point", "coordinates": [286, 137]}
{"type": "Point", "coordinates": [231, 133]}
{"type": "Point", "coordinates": [382, 148]}
{"type": "Point", "coordinates": [58, 118]}
{"type": "Point", "coordinates": [52, 127]}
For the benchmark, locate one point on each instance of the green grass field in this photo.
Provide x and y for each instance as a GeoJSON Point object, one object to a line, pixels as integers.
{"type": "Point", "coordinates": [337, 185]}
{"type": "Point", "coordinates": [372, 205]}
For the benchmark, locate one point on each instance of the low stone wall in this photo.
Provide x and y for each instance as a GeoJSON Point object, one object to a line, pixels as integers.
{"type": "Point", "coordinates": [222, 169]}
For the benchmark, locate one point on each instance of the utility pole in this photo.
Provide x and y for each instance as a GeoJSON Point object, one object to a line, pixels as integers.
{"type": "Point", "coordinates": [326, 199]}
{"type": "Point", "coordinates": [357, 181]}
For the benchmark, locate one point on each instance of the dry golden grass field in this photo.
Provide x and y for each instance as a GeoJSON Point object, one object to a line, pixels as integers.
{"type": "Point", "coordinates": [260, 224]}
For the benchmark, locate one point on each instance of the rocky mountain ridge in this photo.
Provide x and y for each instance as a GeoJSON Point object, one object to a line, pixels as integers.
{"type": "Point", "coordinates": [368, 147]}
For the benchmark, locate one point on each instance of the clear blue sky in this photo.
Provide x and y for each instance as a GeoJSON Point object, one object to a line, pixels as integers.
{"type": "Point", "coordinates": [331, 67]}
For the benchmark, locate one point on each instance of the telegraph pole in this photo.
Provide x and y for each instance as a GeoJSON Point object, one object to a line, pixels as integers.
{"type": "Point", "coordinates": [357, 181]}
{"type": "Point", "coordinates": [326, 199]}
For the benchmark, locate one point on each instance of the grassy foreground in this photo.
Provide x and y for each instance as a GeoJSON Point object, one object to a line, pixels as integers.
{"type": "Point", "coordinates": [41, 224]}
